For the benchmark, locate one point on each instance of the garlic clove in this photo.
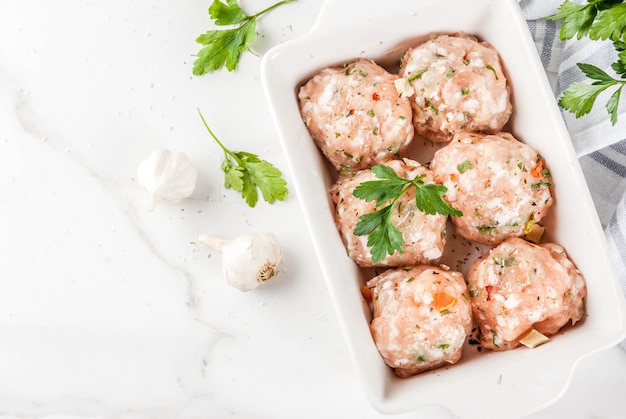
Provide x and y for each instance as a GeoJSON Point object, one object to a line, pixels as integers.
{"type": "Point", "coordinates": [248, 260]}
{"type": "Point", "coordinates": [167, 176]}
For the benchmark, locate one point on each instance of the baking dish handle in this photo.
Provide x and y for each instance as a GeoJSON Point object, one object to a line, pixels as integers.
{"type": "Point", "coordinates": [337, 15]}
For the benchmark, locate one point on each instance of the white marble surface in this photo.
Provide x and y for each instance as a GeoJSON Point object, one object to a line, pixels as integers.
{"type": "Point", "coordinates": [109, 311]}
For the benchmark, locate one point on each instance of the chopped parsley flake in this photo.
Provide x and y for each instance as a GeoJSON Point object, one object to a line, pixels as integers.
{"type": "Point", "coordinates": [540, 184]}
{"type": "Point", "coordinates": [464, 166]}
{"type": "Point", "coordinates": [489, 67]}
{"type": "Point", "coordinates": [417, 75]}
{"type": "Point", "coordinates": [486, 229]}
{"type": "Point", "coordinates": [430, 106]}
{"type": "Point", "coordinates": [498, 260]}
{"type": "Point", "coordinates": [345, 168]}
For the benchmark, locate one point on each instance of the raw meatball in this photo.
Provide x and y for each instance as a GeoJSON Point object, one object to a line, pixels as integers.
{"type": "Point", "coordinates": [500, 184]}
{"type": "Point", "coordinates": [355, 115]}
{"type": "Point", "coordinates": [518, 286]}
{"type": "Point", "coordinates": [421, 317]}
{"type": "Point", "coordinates": [424, 235]}
{"type": "Point", "coordinates": [459, 86]}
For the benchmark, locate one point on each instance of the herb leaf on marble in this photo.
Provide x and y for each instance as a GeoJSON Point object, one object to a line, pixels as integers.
{"type": "Point", "coordinates": [223, 47]}
{"type": "Point", "coordinates": [248, 174]}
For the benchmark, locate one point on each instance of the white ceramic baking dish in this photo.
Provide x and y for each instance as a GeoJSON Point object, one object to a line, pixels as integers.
{"type": "Point", "coordinates": [481, 385]}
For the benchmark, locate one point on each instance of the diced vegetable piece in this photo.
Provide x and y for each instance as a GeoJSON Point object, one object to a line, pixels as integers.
{"type": "Point", "coordinates": [535, 233]}
{"type": "Point", "coordinates": [533, 339]}
{"type": "Point", "coordinates": [443, 301]}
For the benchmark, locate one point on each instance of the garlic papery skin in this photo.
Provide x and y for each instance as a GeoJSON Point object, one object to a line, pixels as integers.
{"type": "Point", "coordinates": [247, 260]}
{"type": "Point", "coordinates": [167, 176]}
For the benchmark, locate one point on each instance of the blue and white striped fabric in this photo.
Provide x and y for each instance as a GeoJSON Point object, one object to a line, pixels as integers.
{"type": "Point", "coordinates": [600, 146]}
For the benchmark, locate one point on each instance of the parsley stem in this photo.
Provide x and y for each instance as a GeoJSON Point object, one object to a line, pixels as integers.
{"type": "Point", "coordinates": [280, 3]}
{"type": "Point", "coordinates": [395, 200]}
{"type": "Point", "coordinates": [227, 152]}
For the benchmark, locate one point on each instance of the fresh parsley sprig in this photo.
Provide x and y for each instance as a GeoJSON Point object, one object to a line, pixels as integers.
{"type": "Point", "coordinates": [599, 20]}
{"type": "Point", "coordinates": [384, 238]}
{"type": "Point", "coordinates": [223, 47]}
{"type": "Point", "coordinates": [246, 172]}
{"type": "Point", "coordinates": [580, 97]}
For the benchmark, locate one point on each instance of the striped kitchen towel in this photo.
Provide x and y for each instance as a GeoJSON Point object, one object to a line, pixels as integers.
{"type": "Point", "coordinates": [600, 146]}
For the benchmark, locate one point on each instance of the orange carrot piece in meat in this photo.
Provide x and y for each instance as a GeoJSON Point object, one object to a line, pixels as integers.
{"type": "Point", "coordinates": [443, 301]}
{"type": "Point", "coordinates": [366, 292]}
{"type": "Point", "coordinates": [536, 172]}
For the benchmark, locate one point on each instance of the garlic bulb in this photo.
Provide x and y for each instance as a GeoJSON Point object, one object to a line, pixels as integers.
{"type": "Point", "coordinates": [248, 260]}
{"type": "Point", "coordinates": [167, 176]}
